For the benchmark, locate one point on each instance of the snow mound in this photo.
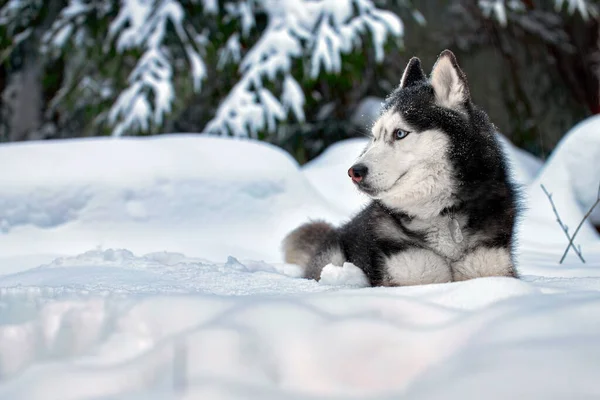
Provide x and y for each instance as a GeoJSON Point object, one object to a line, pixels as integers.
{"type": "Point", "coordinates": [574, 164]}
{"type": "Point", "coordinates": [147, 315]}
{"type": "Point", "coordinates": [328, 174]}
{"type": "Point", "coordinates": [121, 271]}
{"type": "Point", "coordinates": [548, 344]}
{"type": "Point", "coordinates": [214, 197]}
{"type": "Point", "coordinates": [346, 275]}
{"type": "Point", "coordinates": [572, 176]}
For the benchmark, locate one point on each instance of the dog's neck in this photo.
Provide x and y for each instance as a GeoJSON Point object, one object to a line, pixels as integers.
{"type": "Point", "coordinates": [442, 233]}
{"type": "Point", "coordinates": [449, 212]}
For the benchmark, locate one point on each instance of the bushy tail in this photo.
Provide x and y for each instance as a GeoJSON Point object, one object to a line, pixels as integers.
{"type": "Point", "coordinates": [301, 244]}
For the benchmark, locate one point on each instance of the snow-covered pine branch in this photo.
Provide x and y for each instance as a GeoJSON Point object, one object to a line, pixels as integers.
{"type": "Point", "coordinates": [16, 17]}
{"type": "Point", "coordinates": [69, 36]}
{"type": "Point", "coordinates": [154, 33]}
{"type": "Point", "coordinates": [142, 26]}
{"type": "Point", "coordinates": [320, 31]}
{"type": "Point", "coordinates": [70, 24]}
{"type": "Point", "coordinates": [498, 8]}
{"type": "Point", "coordinates": [583, 7]}
{"type": "Point", "coordinates": [15, 14]}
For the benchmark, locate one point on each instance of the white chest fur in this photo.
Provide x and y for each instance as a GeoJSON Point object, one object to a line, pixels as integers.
{"type": "Point", "coordinates": [438, 236]}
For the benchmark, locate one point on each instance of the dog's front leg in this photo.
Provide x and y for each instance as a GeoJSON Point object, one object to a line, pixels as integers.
{"type": "Point", "coordinates": [415, 266]}
{"type": "Point", "coordinates": [483, 261]}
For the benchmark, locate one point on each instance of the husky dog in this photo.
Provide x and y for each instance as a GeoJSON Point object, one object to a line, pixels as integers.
{"type": "Point", "coordinates": [443, 206]}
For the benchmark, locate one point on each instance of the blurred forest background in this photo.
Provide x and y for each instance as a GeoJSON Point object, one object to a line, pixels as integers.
{"type": "Point", "coordinates": [301, 74]}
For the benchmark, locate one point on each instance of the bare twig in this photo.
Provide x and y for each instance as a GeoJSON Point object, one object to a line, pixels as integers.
{"type": "Point", "coordinates": [565, 228]}
{"type": "Point", "coordinates": [587, 214]}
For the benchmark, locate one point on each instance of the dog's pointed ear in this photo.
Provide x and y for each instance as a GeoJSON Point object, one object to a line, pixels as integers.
{"type": "Point", "coordinates": [413, 73]}
{"type": "Point", "coordinates": [449, 82]}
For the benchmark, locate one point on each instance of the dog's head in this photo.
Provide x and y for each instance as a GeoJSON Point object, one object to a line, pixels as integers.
{"type": "Point", "coordinates": [407, 164]}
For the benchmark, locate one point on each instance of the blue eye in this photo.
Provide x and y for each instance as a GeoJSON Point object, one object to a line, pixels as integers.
{"type": "Point", "coordinates": [400, 134]}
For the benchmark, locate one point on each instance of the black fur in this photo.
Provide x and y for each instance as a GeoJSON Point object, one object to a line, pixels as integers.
{"type": "Point", "coordinates": [413, 73]}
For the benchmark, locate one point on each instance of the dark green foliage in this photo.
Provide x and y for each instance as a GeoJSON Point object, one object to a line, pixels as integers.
{"type": "Point", "coordinates": [534, 82]}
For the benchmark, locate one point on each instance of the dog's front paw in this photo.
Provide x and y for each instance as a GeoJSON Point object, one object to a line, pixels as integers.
{"type": "Point", "coordinates": [416, 267]}
{"type": "Point", "coordinates": [482, 262]}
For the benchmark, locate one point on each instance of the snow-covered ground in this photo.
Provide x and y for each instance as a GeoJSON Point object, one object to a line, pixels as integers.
{"type": "Point", "coordinates": [201, 196]}
{"type": "Point", "coordinates": [150, 269]}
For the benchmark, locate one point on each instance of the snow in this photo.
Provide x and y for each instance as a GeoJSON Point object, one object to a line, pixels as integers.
{"type": "Point", "coordinates": [150, 268]}
{"type": "Point", "coordinates": [84, 194]}
{"type": "Point", "coordinates": [575, 163]}
{"type": "Point", "coordinates": [572, 176]}
{"type": "Point", "coordinates": [582, 6]}
{"type": "Point", "coordinates": [346, 275]}
{"type": "Point", "coordinates": [324, 174]}
{"type": "Point", "coordinates": [293, 97]}
{"type": "Point", "coordinates": [498, 8]}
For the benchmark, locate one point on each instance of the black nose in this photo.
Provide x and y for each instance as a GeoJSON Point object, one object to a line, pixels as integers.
{"type": "Point", "coordinates": [358, 172]}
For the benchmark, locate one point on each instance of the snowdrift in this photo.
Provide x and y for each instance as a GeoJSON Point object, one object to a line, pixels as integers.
{"type": "Point", "coordinates": [166, 326]}
{"type": "Point", "coordinates": [572, 176]}
{"type": "Point", "coordinates": [328, 174]}
{"type": "Point", "coordinates": [161, 292]}
{"type": "Point", "coordinates": [575, 164]}
{"type": "Point", "coordinates": [201, 196]}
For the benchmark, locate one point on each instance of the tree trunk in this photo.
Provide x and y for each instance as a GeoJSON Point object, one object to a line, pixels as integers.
{"type": "Point", "coordinates": [26, 103]}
